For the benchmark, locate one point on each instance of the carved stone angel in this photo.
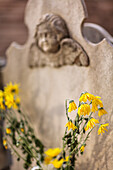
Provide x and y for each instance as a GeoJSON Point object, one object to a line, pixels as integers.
{"type": "Point", "coordinates": [53, 45]}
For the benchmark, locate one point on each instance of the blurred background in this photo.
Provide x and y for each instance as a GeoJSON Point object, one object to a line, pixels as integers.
{"type": "Point", "coordinates": [12, 27]}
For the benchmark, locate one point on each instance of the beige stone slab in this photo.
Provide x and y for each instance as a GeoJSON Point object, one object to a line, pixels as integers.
{"type": "Point", "coordinates": [44, 89]}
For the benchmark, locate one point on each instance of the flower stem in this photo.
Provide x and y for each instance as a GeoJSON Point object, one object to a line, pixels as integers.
{"type": "Point", "coordinates": [66, 110]}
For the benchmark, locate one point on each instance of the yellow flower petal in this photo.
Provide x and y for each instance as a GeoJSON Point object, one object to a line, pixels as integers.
{"type": "Point", "coordinates": [6, 146]}
{"type": "Point", "coordinates": [84, 109]}
{"type": "Point", "coordinates": [2, 104]}
{"type": "Point", "coordinates": [91, 123]}
{"type": "Point", "coordinates": [47, 160]}
{"type": "Point", "coordinates": [86, 96]}
{"type": "Point", "coordinates": [95, 103]}
{"type": "Point", "coordinates": [4, 142]}
{"type": "Point", "coordinates": [17, 101]}
{"type": "Point", "coordinates": [9, 100]}
{"type": "Point", "coordinates": [72, 106]}
{"type": "Point", "coordinates": [22, 130]}
{"type": "Point", "coordinates": [53, 152]}
{"type": "Point", "coordinates": [82, 148]}
{"type": "Point", "coordinates": [8, 130]}
{"type": "Point", "coordinates": [57, 163]}
{"type": "Point", "coordinates": [1, 94]}
{"type": "Point", "coordinates": [66, 159]}
{"type": "Point", "coordinates": [102, 128]}
{"type": "Point", "coordinates": [101, 112]}
{"type": "Point", "coordinates": [70, 125]}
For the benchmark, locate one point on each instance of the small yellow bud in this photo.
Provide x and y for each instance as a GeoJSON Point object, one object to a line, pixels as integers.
{"type": "Point", "coordinates": [8, 130]}
{"type": "Point", "coordinates": [22, 130]}
{"type": "Point", "coordinates": [5, 143]}
{"type": "Point", "coordinates": [82, 148]}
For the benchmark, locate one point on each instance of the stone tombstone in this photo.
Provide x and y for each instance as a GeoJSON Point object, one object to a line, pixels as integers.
{"type": "Point", "coordinates": [58, 62]}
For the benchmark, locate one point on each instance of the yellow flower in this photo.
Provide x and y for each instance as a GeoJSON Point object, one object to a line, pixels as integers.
{"type": "Point", "coordinates": [53, 152]}
{"type": "Point", "coordinates": [17, 101]}
{"type": "Point", "coordinates": [9, 100]}
{"type": "Point", "coordinates": [8, 130]}
{"type": "Point", "coordinates": [72, 106]}
{"type": "Point", "coordinates": [22, 130]}
{"type": "Point", "coordinates": [102, 128]}
{"type": "Point", "coordinates": [86, 96]}
{"type": "Point", "coordinates": [6, 146]}
{"type": "Point", "coordinates": [1, 94]}
{"type": "Point", "coordinates": [83, 98]}
{"type": "Point", "coordinates": [14, 105]}
{"type": "Point", "coordinates": [1, 100]}
{"type": "Point", "coordinates": [101, 112]}
{"type": "Point", "coordinates": [95, 100]}
{"type": "Point", "coordinates": [5, 143]}
{"type": "Point", "coordinates": [10, 88]}
{"type": "Point", "coordinates": [1, 104]}
{"type": "Point", "coordinates": [47, 160]}
{"type": "Point", "coordinates": [91, 123]}
{"type": "Point", "coordinates": [70, 125]}
{"type": "Point", "coordinates": [66, 159]}
{"type": "Point", "coordinates": [95, 103]}
{"type": "Point", "coordinates": [57, 163]}
{"type": "Point", "coordinates": [82, 148]}
{"type": "Point", "coordinates": [84, 109]}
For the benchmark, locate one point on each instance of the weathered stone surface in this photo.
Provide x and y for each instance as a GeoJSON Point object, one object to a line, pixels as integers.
{"type": "Point", "coordinates": [44, 90]}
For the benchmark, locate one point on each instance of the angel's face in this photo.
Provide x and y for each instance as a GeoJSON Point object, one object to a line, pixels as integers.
{"type": "Point", "coordinates": [47, 39]}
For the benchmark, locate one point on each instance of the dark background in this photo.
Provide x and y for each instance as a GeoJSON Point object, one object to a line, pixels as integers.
{"type": "Point", "coordinates": [12, 26]}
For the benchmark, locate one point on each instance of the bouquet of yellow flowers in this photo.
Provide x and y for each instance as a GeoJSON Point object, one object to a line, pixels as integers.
{"type": "Point", "coordinates": [19, 133]}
